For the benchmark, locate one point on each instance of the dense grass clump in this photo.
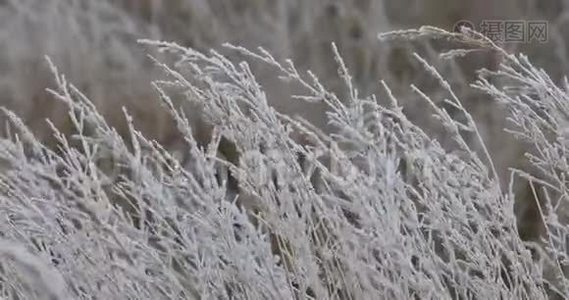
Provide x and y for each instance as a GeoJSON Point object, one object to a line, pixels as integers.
{"type": "Point", "coordinates": [377, 208]}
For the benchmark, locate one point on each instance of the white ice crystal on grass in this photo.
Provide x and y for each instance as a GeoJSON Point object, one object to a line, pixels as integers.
{"type": "Point", "coordinates": [377, 209]}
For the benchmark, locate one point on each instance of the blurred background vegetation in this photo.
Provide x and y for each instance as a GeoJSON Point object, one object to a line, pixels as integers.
{"type": "Point", "coordinates": [95, 44]}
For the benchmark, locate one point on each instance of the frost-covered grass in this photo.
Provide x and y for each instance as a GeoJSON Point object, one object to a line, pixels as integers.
{"type": "Point", "coordinates": [376, 209]}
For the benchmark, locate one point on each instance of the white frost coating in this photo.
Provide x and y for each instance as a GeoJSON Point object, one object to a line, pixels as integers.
{"type": "Point", "coordinates": [377, 208]}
